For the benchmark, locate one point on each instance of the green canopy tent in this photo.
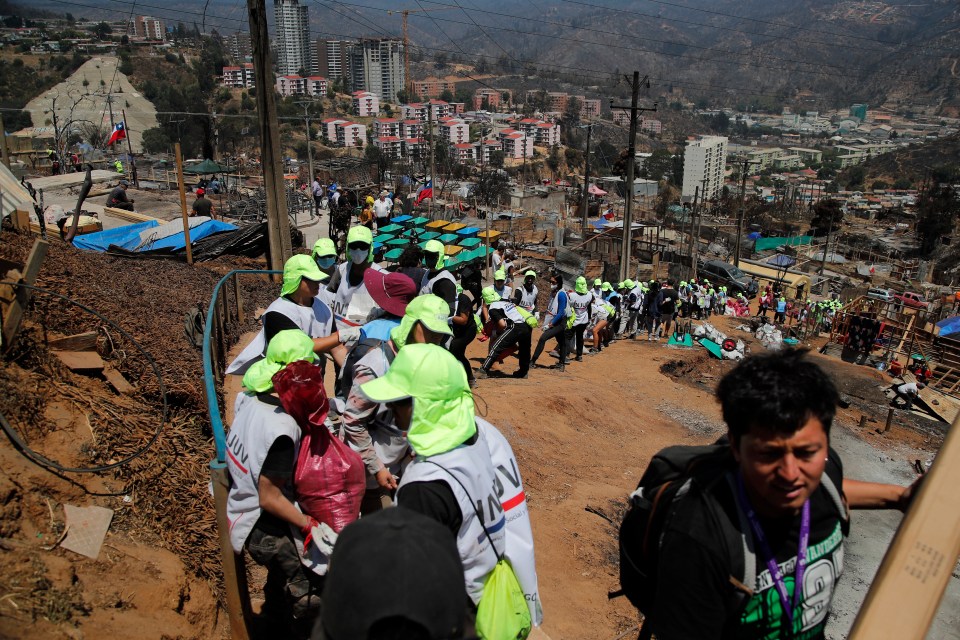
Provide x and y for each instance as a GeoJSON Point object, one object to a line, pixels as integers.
{"type": "Point", "coordinates": [207, 167]}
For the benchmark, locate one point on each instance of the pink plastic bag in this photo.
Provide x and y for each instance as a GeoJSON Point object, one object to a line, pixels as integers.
{"type": "Point", "coordinates": [330, 477]}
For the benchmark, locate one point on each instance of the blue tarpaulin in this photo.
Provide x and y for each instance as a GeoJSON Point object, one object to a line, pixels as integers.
{"type": "Point", "coordinates": [948, 326]}
{"type": "Point", "coordinates": [781, 260]}
{"type": "Point", "coordinates": [129, 237]}
{"type": "Point", "coordinates": [755, 235]}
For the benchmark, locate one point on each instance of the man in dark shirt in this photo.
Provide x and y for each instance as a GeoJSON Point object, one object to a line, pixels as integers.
{"type": "Point", "coordinates": [778, 408]}
{"type": "Point", "coordinates": [201, 206]}
{"type": "Point", "coordinates": [118, 197]}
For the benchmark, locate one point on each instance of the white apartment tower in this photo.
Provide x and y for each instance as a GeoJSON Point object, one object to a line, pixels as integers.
{"type": "Point", "coordinates": [294, 49]}
{"type": "Point", "coordinates": [704, 161]}
{"type": "Point", "coordinates": [376, 65]}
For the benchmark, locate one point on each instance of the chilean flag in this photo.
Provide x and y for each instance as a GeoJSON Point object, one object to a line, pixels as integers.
{"type": "Point", "coordinates": [426, 191]}
{"type": "Point", "coordinates": [119, 133]}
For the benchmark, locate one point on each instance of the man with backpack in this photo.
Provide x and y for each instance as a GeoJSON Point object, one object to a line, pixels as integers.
{"type": "Point", "coordinates": [514, 326]}
{"type": "Point", "coordinates": [369, 427]}
{"type": "Point", "coordinates": [744, 538]}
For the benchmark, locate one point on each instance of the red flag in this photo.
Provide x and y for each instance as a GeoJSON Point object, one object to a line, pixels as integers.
{"type": "Point", "coordinates": [425, 192]}
{"type": "Point", "coordinates": [119, 133]}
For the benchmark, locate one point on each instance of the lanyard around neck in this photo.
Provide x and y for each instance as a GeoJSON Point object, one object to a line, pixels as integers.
{"type": "Point", "coordinates": [775, 573]}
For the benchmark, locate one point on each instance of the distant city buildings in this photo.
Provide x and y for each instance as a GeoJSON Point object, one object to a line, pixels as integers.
{"type": "Point", "coordinates": [314, 86]}
{"type": "Point", "coordinates": [704, 161]}
{"type": "Point", "coordinates": [859, 111]}
{"type": "Point", "coordinates": [432, 87]}
{"type": "Point", "coordinates": [344, 133]}
{"type": "Point", "coordinates": [332, 58]}
{"type": "Point", "coordinates": [365, 104]}
{"type": "Point", "coordinates": [241, 77]}
{"type": "Point", "coordinates": [238, 46]}
{"type": "Point", "coordinates": [295, 55]}
{"type": "Point", "coordinates": [376, 65]}
{"type": "Point", "coordinates": [558, 102]}
{"type": "Point", "coordinates": [148, 28]}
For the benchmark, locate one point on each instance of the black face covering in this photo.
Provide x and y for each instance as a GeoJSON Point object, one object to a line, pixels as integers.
{"type": "Point", "coordinates": [528, 287]}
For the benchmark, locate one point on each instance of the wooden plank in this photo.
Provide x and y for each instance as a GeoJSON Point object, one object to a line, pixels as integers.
{"type": "Point", "coordinates": [88, 361]}
{"type": "Point", "coordinates": [86, 341]}
{"type": "Point", "coordinates": [14, 315]}
{"type": "Point", "coordinates": [906, 592]}
{"type": "Point", "coordinates": [130, 216]}
{"type": "Point", "coordinates": [237, 592]}
{"type": "Point", "coordinates": [117, 381]}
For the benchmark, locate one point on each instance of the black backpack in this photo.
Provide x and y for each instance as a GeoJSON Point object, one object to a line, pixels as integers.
{"type": "Point", "coordinates": [357, 351]}
{"type": "Point", "coordinates": [666, 481]}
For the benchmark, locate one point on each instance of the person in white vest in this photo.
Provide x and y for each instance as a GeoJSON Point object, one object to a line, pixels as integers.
{"type": "Point", "coordinates": [555, 324]}
{"type": "Point", "coordinates": [464, 475]}
{"type": "Point", "coordinates": [352, 305]}
{"type": "Point", "coordinates": [369, 427]}
{"type": "Point", "coordinates": [438, 280]}
{"type": "Point", "coordinates": [298, 307]}
{"type": "Point", "coordinates": [597, 289]}
{"type": "Point", "coordinates": [513, 330]}
{"type": "Point", "coordinates": [262, 450]}
{"type": "Point", "coordinates": [526, 295]}
{"type": "Point", "coordinates": [325, 255]}
{"type": "Point", "coordinates": [581, 300]}
{"type": "Point", "coordinates": [500, 284]}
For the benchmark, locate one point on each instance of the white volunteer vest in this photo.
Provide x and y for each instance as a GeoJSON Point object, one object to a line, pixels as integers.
{"type": "Point", "coordinates": [504, 293]}
{"type": "Point", "coordinates": [472, 467]}
{"type": "Point", "coordinates": [519, 542]}
{"type": "Point", "coordinates": [528, 299]}
{"type": "Point", "coordinates": [581, 306]}
{"type": "Point", "coordinates": [353, 306]}
{"type": "Point", "coordinates": [509, 309]}
{"type": "Point", "coordinates": [638, 292]}
{"type": "Point", "coordinates": [389, 442]}
{"type": "Point", "coordinates": [316, 321]}
{"type": "Point", "coordinates": [255, 428]}
{"type": "Point", "coordinates": [428, 283]}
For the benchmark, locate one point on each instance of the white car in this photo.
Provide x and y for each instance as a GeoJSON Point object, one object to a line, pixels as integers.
{"type": "Point", "coordinates": [884, 295]}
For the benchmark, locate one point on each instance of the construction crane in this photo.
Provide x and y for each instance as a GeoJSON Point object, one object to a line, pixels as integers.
{"type": "Point", "coordinates": [408, 82]}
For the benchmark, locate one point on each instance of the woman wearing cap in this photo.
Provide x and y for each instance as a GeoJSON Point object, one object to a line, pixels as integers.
{"type": "Point", "coordinates": [597, 289]}
{"type": "Point", "coordinates": [555, 322]}
{"type": "Point", "coordinates": [366, 213]}
{"type": "Point", "coordinates": [526, 295]}
{"type": "Point", "coordinates": [262, 450]}
{"type": "Point", "coordinates": [581, 300]}
{"type": "Point", "coordinates": [325, 255]}
{"type": "Point", "coordinates": [463, 465]}
{"type": "Point", "coordinates": [500, 284]}
{"type": "Point", "coordinates": [369, 427]}
{"type": "Point", "coordinates": [298, 307]}
{"type": "Point", "coordinates": [438, 280]}
{"type": "Point", "coordinates": [352, 305]}
{"type": "Point", "coordinates": [512, 327]}
{"type": "Point", "coordinates": [463, 322]}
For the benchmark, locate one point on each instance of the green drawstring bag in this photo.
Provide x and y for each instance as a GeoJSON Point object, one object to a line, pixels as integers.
{"type": "Point", "coordinates": [528, 318]}
{"type": "Point", "coordinates": [503, 612]}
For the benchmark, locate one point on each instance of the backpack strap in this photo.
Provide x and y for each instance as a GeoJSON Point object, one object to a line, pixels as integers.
{"type": "Point", "coordinates": [475, 510]}
{"type": "Point", "coordinates": [749, 579]}
{"type": "Point", "coordinates": [828, 485]}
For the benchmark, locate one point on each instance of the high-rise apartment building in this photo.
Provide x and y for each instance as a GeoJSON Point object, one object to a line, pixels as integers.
{"type": "Point", "coordinates": [376, 65]}
{"type": "Point", "coordinates": [332, 58]}
{"type": "Point", "coordinates": [704, 161]}
{"type": "Point", "coordinates": [294, 51]}
{"type": "Point", "coordinates": [148, 28]}
{"type": "Point", "coordinates": [238, 46]}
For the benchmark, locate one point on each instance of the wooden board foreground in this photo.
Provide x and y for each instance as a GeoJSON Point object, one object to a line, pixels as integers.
{"type": "Point", "coordinates": [907, 589]}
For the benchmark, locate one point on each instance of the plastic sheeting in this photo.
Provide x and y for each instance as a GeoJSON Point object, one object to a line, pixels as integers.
{"type": "Point", "coordinates": [130, 237]}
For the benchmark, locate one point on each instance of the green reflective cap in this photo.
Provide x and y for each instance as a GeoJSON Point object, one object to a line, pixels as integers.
{"type": "Point", "coordinates": [499, 274]}
{"type": "Point", "coordinates": [606, 287]}
{"type": "Point", "coordinates": [530, 273]}
{"type": "Point", "coordinates": [628, 283]}
{"type": "Point", "coordinates": [297, 267]}
{"type": "Point", "coordinates": [360, 234]}
{"type": "Point", "coordinates": [443, 407]}
{"type": "Point", "coordinates": [581, 285]}
{"type": "Point", "coordinates": [435, 246]}
{"type": "Point", "coordinates": [324, 247]}
{"type": "Point", "coordinates": [490, 295]}
{"type": "Point", "coordinates": [287, 346]}
{"type": "Point", "coordinates": [597, 282]}
{"type": "Point", "coordinates": [433, 311]}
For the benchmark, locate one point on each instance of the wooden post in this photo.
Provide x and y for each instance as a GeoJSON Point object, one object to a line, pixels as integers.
{"type": "Point", "coordinates": [11, 323]}
{"type": "Point", "coordinates": [236, 296]}
{"type": "Point", "coordinates": [863, 422]}
{"type": "Point", "coordinates": [907, 589]}
{"type": "Point", "coordinates": [271, 161]}
{"type": "Point", "coordinates": [183, 204]}
{"type": "Point", "coordinates": [889, 420]}
{"type": "Point", "coordinates": [133, 162]}
{"type": "Point", "coordinates": [234, 572]}
{"type": "Point", "coordinates": [3, 144]}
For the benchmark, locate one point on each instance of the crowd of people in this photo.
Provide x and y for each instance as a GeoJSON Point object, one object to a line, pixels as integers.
{"type": "Point", "coordinates": [384, 507]}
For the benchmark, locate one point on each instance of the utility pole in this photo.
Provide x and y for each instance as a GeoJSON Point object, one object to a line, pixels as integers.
{"type": "Point", "coordinates": [110, 108]}
{"type": "Point", "coordinates": [216, 134]}
{"type": "Point", "coordinates": [823, 260]}
{"type": "Point", "coordinates": [433, 177]}
{"type": "Point", "coordinates": [306, 117]}
{"type": "Point", "coordinates": [3, 143]}
{"type": "Point", "coordinates": [586, 184]}
{"type": "Point", "coordinates": [740, 213]}
{"type": "Point", "coordinates": [631, 162]}
{"type": "Point", "coordinates": [691, 253]}
{"type": "Point", "coordinates": [278, 224]}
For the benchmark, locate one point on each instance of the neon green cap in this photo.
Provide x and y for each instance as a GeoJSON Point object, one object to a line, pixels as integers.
{"type": "Point", "coordinates": [297, 267]}
{"type": "Point", "coordinates": [530, 273]}
{"type": "Point", "coordinates": [490, 295]}
{"type": "Point", "coordinates": [628, 283]}
{"type": "Point", "coordinates": [435, 246]}
{"type": "Point", "coordinates": [361, 234]}
{"type": "Point", "coordinates": [499, 274]}
{"type": "Point", "coordinates": [289, 345]}
{"type": "Point", "coordinates": [430, 310]}
{"type": "Point", "coordinates": [443, 407]}
{"type": "Point", "coordinates": [606, 287]}
{"type": "Point", "coordinates": [324, 247]}
{"type": "Point", "coordinates": [581, 285]}
{"type": "Point", "coordinates": [598, 282]}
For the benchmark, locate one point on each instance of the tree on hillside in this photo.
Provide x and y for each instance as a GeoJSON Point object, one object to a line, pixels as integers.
{"type": "Point", "coordinates": [155, 140]}
{"type": "Point", "coordinates": [827, 214]}
{"type": "Point", "coordinates": [656, 166]}
{"type": "Point", "coordinates": [492, 188]}
{"type": "Point", "coordinates": [101, 30]}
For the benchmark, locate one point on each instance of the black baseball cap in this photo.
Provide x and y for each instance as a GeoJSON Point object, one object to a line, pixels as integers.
{"type": "Point", "coordinates": [395, 566]}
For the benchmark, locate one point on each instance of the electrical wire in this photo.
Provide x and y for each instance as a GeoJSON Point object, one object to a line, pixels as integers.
{"type": "Point", "coordinates": [42, 460]}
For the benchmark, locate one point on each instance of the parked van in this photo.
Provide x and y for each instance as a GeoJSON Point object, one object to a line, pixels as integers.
{"type": "Point", "coordinates": [730, 276]}
{"type": "Point", "coordinates": [883, 295]}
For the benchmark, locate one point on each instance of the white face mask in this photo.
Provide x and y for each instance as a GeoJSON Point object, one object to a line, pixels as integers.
{"type": "Point", "coordinates": [359, 256]}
